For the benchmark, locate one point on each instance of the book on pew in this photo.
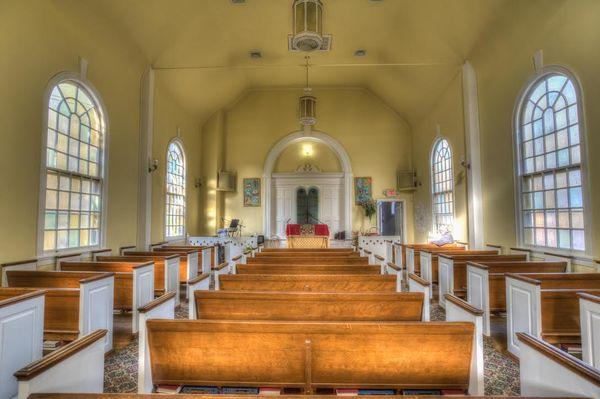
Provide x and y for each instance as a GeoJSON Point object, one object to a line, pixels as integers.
{"type": "Point", "coordinates": [572, 349]}
{"type": "Point", "coordinates": [168, 389]}
{"type": "Point", "coordinates": [376, 392]}
{"type": "Point", "coordinates": [200, 390]}
{"type": "Point", "coordinates": [346, 392]}
{"type": "Point", "coordinates": [269, 391]}
{"type": "Point", "coordinates": [51, 344]}
{"type": "Point", "coordinates": [429, 392]}
{"type": "Point", "coordinates": [240, 390]}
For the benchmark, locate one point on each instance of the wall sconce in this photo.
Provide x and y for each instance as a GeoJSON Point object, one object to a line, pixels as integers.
{"type": "Point", "coordinates": [152, 165]}
{"type": "Point", "coordinates": [465, 164]}
{"type": "Point", "coordinates": [198, 182]}
{"type": "Point", "coordinates": [307, 150]}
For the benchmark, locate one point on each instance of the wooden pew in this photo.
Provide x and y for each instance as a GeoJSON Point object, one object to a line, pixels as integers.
{"type": "Point", "coordinates": [259, 268]}
{"type": "Point", "coordinates": [134, 283]}
{"type": "Point", "coordinates": [318, 283]}
{"type": "Point", "coordinates": [547, 371]}
{"type": "Point", "coordinates": [22, 333]}
{"type": "Point", "coordinates": [589, 315]}
{"type": "Point", "coordinates": [311, 355]}
{"type": "Point", "coordinates": [166, 270]}
{"type": "Point", "coordinates": [126, 248]}
{"type": "Point", "coordinates": [281, 260]}
{"type": "Point", "coordinates": [28, 264]}
{"type": "Point", "coordinates": [429, 260]}
{"type": "Point", "coordinates": [206, 255]}
{"type": "Point", "coordinates": [453, 271]}
{"type": "Point", "coordinates": [226, 396]}
{"type": "Point", "coordinates": [100, 252]}
{"type": "Point", "coordinates": [202, 282]}
{"type": "Point", "coordinates": [75, 367]}
{"type": "Point", "coordinates": [546, 305]}
{"type": "Point", "coordinates": [76, 303]}
{"type": "Point", "coordinates": [296, 250]}
{"type": "Point", "coordinates": [188, 264]}
{"type": "Point", "coordinates": [410, 251]}
{"type": "Point", "coordinates": [308, 306]}
{"type": "Point", "coordinates": [334, 254]}
{"type": "Point", "coordinates": [486, 283]}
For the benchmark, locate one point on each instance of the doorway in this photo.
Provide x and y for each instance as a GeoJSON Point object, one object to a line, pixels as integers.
{"type": "Point", "coordinates": [390, 217]}
{"type": "Point", "coordinates": [307, 205]}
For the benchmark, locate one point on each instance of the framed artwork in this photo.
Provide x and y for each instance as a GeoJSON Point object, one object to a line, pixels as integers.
{"type": "Point", "coordinates": [362, 189]}
{"type": "Point", "coordinates": [252, 191]}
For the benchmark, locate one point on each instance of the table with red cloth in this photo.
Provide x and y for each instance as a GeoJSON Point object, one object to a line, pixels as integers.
{"type": "Point", "coordinates": [307, 235]}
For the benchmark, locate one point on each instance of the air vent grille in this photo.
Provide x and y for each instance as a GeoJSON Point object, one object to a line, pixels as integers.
{"type": "Point", "coordinates": [326, 46]}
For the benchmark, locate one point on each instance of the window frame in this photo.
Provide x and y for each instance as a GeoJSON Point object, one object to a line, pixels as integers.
{"type": "Point", "coordinates": [522, 98]}
{"type": "Point", "coordinates": [95, 96]}
{"type": "Point", "coordinates": [179, 142]}
{"type": "Point", "coordinates": [438, 140]}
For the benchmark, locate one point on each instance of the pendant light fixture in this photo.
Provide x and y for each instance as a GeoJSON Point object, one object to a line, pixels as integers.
{"type": "Point", "coordinates": [308, 103]}
{"type": "Point", "coordinates": [307, 34]}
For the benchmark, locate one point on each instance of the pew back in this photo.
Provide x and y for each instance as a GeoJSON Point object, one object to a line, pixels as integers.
{"type": "Point", "coordinates": [166, 269]}
{"type": "Point", "coordinates": [310, 355]}
{"type": "Point", "coordinates": [308, 306]}
{"type": "Point", "coordinates": [316, 260]}
{"type": "Point", "coordinates": [258, 268]}
{"type": "Point", "coordinates": [315, 283]}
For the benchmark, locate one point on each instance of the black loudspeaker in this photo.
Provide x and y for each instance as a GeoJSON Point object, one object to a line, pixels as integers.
{"type": "Point", "coordinates": [260, 239]}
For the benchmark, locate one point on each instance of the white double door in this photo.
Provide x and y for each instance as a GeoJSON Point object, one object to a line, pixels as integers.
{"type": "Point", "coordinates": [330, 187]}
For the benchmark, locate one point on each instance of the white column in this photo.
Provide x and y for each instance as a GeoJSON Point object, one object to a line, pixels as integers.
{"type": "Point", "coordinates": [267, 209]}
{"type": "Point", "coordinates": [145, 155]}
{"type": "Point", "coordinates": [348, 199]}
{"type": "Point", "coordinates": [473, 150]}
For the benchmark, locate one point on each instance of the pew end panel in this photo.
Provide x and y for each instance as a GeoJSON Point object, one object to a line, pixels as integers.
{"type": "Point", "coordinates": [200, 283]}
{"type": "Point", "coordinates": [96, 307]}
{"type": "Point", "coordinates": [380, 261]}
{"type": "Point", "coordinates": [589, 313]}
{"type": "Point", "coordinates": [547, 371]}
{"type": "Point", "coordinates": [220, 270]}
{"type": "Point", "coordinates": [446, 279]}
{"type": "Point", "coordinates": [30, 264]}
{"type": "Point", "coordinates": [77, 367]}
{"type": "Point", "coordinates": [143, 286]}
{"type": "Point", "coordinates": [426, 267]}
{"type": "Point", "coordinates": [206, 260]}
{"type": "Point", "coordinates": [21, 334]}
{"type": "Point", "coordinates": [459, 310]}
{"type": "Point", "coordinates": [417, 284]}
{"type": "Point", "coordinates": [162, 307]}
{"type": "Point", "coordinates": [478, 292]}
{"type": "Point", "coordinates": [67, 258]}
{"type": "Point", "coordinates": [523, 302]}
{"type": "Point", "coordinates": [521, 251]}
{"type": "Point", "coordinates": [410, 260]}
{"type": "Point", "coordinates": [100, 252]}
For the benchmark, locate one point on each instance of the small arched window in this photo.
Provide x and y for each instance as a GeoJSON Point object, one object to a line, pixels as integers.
{"type": "Point", "coordinates": [442, 187]}
{"type": "Point", "coordinates": [175, 201]}
{"type": "Point", "coordinates": [551, 200]}
{"type": "Point", "coordinates": [74, 169]}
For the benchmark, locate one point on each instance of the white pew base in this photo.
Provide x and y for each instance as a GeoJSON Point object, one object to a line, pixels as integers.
{"type": "Point", "coordinates": [201, 282]}
{"type": "Point", "coordinates": [75, 368]}
{"type": "Point", "coordinates": [161, 308]}
{"type": "Point", "coordinates": [547, 371]}
{"type": "Point", "coordinates": [417, 284]}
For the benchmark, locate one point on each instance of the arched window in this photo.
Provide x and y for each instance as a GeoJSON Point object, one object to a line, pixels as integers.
{"type": "Point", "coordinates": [551, 200]}
{"type": "Point", "coordinates": [175, 201]}
{"type": "Point", "coordinates": [74, 169]}
{"type": "Point", "coordinates": [442, 187]}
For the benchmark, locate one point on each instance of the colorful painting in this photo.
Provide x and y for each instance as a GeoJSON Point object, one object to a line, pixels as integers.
{"type": "Point", "coordinates": [362, 189]}
{"type": "Point", "coordinates": [252, 191]}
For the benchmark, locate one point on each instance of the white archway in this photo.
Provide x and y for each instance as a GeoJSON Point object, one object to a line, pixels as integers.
{"type": "Point", "coordinates": [315, 136]}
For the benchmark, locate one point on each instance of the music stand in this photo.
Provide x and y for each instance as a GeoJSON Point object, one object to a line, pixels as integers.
{"type": "Point", "coordinates": [233, 227]}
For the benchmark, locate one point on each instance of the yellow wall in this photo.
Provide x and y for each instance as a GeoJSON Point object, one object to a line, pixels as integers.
{"type": "Point", "coordinates": [168, 118]}
{"type": "Point", "coordinates": [568, 32]}
{"type": "Point", "coordinates": [445, 120]}
{"type": "Point", "coordinates": [39, 40]}
{"type": "Point", "coordinates": [212, 161]}
{"type": "Point", "coordinates": [376, 138]}
{"type": "Point", "coordinates": [293, 156]}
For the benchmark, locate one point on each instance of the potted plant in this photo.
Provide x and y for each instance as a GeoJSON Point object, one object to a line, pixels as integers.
{"type": "Point", "coordinates": [369, 207]}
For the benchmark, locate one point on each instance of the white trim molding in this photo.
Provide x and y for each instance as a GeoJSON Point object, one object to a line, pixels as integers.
{"type": "Point", "coordinates": [314, 136]}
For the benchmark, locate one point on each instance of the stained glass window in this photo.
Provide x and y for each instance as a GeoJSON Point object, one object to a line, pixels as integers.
{"type": "Point", "coordinates": [442, 187]}
{"type": "Point", "coordinates": [175, 201]}
{"type": "Point", "coordinates": [550, 174]}
{"type": "Point", "coordinates": [74, 169]}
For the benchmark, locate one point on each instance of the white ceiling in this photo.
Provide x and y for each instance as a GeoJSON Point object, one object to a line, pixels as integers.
{"type": "Point", "coordinates": [200, 47]}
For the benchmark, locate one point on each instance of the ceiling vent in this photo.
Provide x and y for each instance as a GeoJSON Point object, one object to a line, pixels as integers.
{"type": "Point", "coordinates": [255, 54]}
{"type": "Point", "coordinates": [238, 1]}
{"type": "Point", "coordinates": [325, 46]}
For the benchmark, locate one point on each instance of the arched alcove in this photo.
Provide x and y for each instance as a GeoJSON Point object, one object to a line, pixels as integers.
{"type": "Point", "coordinates": [338, 185]}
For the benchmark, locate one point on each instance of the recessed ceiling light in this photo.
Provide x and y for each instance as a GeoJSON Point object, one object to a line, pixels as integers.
{"type": "Point", "coordinates": [255, 54]}
{"type": "Point", "coordinates": [360, 53]}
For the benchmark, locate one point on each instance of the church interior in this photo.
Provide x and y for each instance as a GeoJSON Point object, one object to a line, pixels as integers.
{"type": "Point", "coordinates": [299, 198]}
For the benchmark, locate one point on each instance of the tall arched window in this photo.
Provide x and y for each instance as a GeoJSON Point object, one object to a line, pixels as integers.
{"type": "Point", "coordinates": [442, 187]}
{"type": "Point", "coordinates": [551, 200]}
{"type": "Point", "coordinates": [74, 169]}
{"type": "Point", "coordinates": [175, 201]}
